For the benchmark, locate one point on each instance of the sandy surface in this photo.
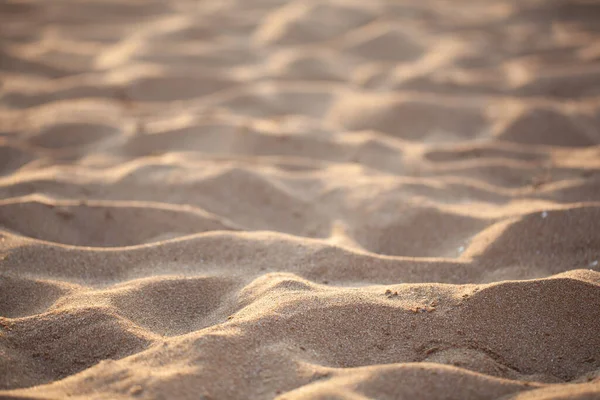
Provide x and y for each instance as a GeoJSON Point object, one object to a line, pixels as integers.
{"type": "Point", "coordinates": [242, 199]}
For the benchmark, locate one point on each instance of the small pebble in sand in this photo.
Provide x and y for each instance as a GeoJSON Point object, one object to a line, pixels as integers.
{"type": "Point", "coordinates": [461, 249]}
{"type": "Point", "coordinates": [135, 390]}
{"type": "Point", "coordinates": [544, 214]}
{"type": "Point", "coordinates": [64, 213]}
{"type": "Point", "coordinates": [426, 309]}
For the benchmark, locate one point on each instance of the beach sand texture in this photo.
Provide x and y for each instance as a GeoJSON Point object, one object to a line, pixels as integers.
{"type": "Point", "coordinates": [266, 199]}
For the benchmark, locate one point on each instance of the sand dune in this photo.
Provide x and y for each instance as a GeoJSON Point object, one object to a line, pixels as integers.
{"type": "Point", "coordinates": [299, 199]}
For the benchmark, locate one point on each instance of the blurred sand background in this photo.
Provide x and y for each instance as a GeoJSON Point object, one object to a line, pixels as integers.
{"type": "Point", "coordinates": [244, 199]}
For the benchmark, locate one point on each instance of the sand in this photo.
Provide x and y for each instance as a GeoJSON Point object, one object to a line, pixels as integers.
{"type": "Point", "coordinates": [329, 199]}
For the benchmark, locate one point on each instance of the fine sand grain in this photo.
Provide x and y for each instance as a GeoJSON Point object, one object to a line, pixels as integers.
{"type": "Point", "coordinates": [250, 199]}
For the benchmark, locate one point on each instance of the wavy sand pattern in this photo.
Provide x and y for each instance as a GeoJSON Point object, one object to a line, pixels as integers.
{"type": "Point", "coordinates": [300, 199]}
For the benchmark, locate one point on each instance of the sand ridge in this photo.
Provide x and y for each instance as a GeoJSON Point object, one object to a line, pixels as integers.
{"type": "Point", "coordinates": [299, 199]}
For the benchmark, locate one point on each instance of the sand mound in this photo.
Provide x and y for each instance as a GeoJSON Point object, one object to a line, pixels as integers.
{"type": "Point", "coordinates": [533, 127]}
{"type": "Point", "coordinates": [114, 223]}
{"type": "Point", "coordinates": [409, 118]}
{"type": "Point", "coordinates": [299, 199]}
